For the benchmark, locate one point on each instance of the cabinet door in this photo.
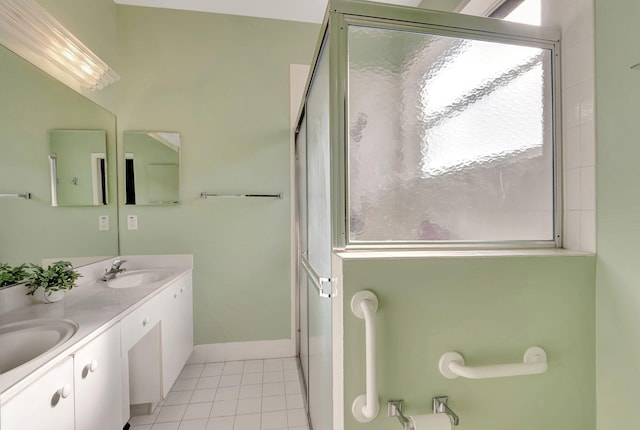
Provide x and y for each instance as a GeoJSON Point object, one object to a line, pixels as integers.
{"type": "Point", "coordinates": [177, 330]}
{"type": "Point", "coordinates": [98, 381]}
{"type": "Point", "coordinates": [46, 404]}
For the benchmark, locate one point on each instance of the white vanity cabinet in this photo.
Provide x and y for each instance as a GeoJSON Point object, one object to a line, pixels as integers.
{"type": "Point", "coordinates": [177, 330]}
{"type": "Point", "coordinates": [97, 371]}
{"type": "Point", "coordinates": [45, 404]}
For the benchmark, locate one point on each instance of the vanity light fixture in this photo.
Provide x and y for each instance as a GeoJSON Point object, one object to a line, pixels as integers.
{"type": "Point", "coordinates": [36, 31]}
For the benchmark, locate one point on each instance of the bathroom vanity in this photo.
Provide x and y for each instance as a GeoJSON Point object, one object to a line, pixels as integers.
{"type": "Point", "coordinates": [130, 343]}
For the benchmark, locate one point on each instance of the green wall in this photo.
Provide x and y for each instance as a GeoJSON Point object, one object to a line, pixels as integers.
{"type": "Point", "coordinates": [618, 295]}
{"type": "Point", "coordinates": [222, 82]}
{"type": "Point", "coordinates": [490, 310]}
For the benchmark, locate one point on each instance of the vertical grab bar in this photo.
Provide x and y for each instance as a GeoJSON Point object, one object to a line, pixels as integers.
{"type": "Point", "coordinates": [364, 305]}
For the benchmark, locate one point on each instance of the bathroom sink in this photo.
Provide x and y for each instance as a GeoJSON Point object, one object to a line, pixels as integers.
{"type": "Point", "coordinates": [25, 340]}
{"type": "Point", "coordinates": [136, 278]}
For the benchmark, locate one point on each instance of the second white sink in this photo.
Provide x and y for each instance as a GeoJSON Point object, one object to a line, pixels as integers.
{"type": "Point", "coordinates": [137, 278]}
{"type": "Point", "coordinates": [23, 341]}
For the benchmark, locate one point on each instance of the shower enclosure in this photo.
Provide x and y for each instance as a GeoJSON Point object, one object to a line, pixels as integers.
{"type": "Point", "coordinates": [418, 129]}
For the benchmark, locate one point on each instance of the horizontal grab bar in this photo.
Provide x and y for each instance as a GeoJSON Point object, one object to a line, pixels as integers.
{"type": "Point", "coordinates": [204, 195]}
{"type": "Point", "coordinates": [534, 362]}
{"type": "Point", "coordinates": [21, 195]}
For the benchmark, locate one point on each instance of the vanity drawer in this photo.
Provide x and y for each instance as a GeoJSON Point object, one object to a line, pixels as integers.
{"type": "Point", "coordinates": [140, 322]}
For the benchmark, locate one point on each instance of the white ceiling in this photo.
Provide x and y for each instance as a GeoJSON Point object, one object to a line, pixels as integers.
{"type": "Point", "coordinates": [290, 10]}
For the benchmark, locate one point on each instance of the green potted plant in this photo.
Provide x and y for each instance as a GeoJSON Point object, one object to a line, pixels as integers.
{"type": "Point", "coordinates": [55, 280]}
{"type": "Point", "coordinates": [12, 275]}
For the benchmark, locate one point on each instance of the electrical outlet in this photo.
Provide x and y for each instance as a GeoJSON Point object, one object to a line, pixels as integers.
{"type": "Point", "coordinates": [103, 222]}
{"type": "Point", "coordinates": [132, 222]}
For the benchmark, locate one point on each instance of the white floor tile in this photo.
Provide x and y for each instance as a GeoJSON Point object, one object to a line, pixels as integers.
{"type": "Point", "coordinates": [220, 423]}
{"type": "Point", "coordinates": [295, 401]}
{"type": "Point", "coordinates": [230, 380]}
{"type": "Point", "coordinates": [178, 398]}
{"type": "Point", "coordinates": [251, 378]}
{"type": "Point", "coordinates": [171, 413]}
{"type": "Point", "coordinates": [274, 403]}
{"type": "Point", "coordinates": [247, 422]}
{"type": "Point", "coordinates": [224, 408]}
{"type": "Point", "coordinates": [233, 368]}
{"type": "Point", "coordinates": [274, 420]}
{"type": "Point", "coordinates": [185, 384]}
{"type": "Point", "coordinates": [299, 428]}
{"type": "Point", "coordinates": [273, 365]}
{"type": "Point", "coordinates": [273, 389]}
{"type": "Point", "coordinates": [228, 393]}
{"type": "Point", "coordinates": [252, 366]}
{"type": "Point", "coordinates": [213, 369]}
{"type": "Point", "coordinates": [270, 377]}
{"type": "Point", "coordinates": [166, 426]}
{"type": "Point", "coordinates": [200, 396]}
{"type": "Point", "coordinates": [144, 427]}
{"type": "Point", "coordinates": [291, 375]}
{"type": "Point", "coordinates": [292, 387]}
{"type": "Point", "coordinates": [249, 391]}
{"type": "Point", "coordinates": [194, 424]}
{"type": "Point", "coordinates": [249, 406]}
{"type": "Point", "coordinates": [296, 417]}
{"type": "Point", "coordinates": [207, 382]}
{"type": "Point", "coordinates": [198, 411]}
{"type": "Point", "coordinates": [144, 419]}
{"type": "Point", "coordinates": [290, 364]}
{"type": "Point", "coordinates": [192, 371]}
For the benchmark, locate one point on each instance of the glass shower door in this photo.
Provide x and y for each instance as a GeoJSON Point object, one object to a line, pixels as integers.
{"type": "Point", "coordinates": [315, 260]}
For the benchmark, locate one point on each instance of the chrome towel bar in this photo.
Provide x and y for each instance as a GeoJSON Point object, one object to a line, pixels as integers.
{"type": "Point", "coordinates": [26, 196]}
{"type": "Point", "coordinates": [204, 195]}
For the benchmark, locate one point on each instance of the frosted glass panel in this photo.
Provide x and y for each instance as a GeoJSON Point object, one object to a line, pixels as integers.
{"type": "Point", "coordinates": [450, 139]}
{"type": "Point", "coordinates": [318, 182]}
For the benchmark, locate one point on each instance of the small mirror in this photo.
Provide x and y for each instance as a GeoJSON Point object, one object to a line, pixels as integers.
{"type": "Point", "coordinates": [152, 168]}
{"type": "Point", "coordinates": [78, 163]}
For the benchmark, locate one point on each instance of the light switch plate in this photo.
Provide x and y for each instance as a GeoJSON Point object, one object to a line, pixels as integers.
{"type": "Point", "coordinates": [103, 222]}
{"type": "Point", "coordinates": [132, 222]}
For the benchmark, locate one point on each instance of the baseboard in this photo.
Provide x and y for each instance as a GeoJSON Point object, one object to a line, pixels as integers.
{"type": "Point", "coordinates": [232, 351]}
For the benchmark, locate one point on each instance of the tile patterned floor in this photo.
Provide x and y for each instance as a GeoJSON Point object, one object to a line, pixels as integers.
{"type": "Point", "coordinates": [236, 395]}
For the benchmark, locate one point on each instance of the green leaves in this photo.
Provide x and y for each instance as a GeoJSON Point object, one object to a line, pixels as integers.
{"type": "Point", "coordinates": [12, 275]}
{"type": "Point", "coordinates": [58, 276]}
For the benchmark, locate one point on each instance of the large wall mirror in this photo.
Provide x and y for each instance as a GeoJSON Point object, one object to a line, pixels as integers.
{"type": "Point", "coordinates": [33, 105]}
{"type": "Point", "coordinates": [151, 168]}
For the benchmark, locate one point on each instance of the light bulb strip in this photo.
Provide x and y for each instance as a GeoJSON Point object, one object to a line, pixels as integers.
{"type": "Point", "coordinates": [42, 34]}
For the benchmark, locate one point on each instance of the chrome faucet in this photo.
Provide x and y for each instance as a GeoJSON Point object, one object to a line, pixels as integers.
{"type": "Point", "coordinates": [115, 269]}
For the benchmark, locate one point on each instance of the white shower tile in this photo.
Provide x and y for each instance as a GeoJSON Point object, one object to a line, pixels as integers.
{"type": "Point", "coordinates": [166, 426]}
{"type": "Point", "coordinates": [587, 100]}
{"type": "Point", "coordinates": [572, 235]}
{"type": "Point", "coordinates": [270, 377]}
{"type": "Point", "coordinates": [588, 188]}
{"type": "Point", "coordinates": [572, 148]}
{"type": "Point", "coordinates": [571, 106]}
{"type": "Point", "coordinates": [572, 193]}
{"type": "Point", "coordinates": [588, 144]}
{"type": "Point", "coordinates": [588, 236]}
{"type": "Point", "coordinates": [273, 365]}
{"type": "Point", "coordinates": [273, 389]}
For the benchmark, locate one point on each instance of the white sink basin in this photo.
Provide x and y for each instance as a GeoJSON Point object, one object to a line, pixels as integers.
{"type": "Point", "coordinates": [136, 278]}
{"type": "Point", "coordinates": [25, 340]}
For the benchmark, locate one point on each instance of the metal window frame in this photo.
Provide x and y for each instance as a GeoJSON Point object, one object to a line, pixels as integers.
{"type": "Point", "coordinates": [342, 13]}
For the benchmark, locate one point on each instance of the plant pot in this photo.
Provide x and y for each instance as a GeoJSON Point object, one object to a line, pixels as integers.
{"type": "Point", "coordinates": [53, 296]}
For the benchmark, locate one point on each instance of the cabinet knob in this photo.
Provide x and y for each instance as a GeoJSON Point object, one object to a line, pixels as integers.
{"type": "Point", "coordinates": [92, 367]}
{"type": "Point", "coordinates": [65, 391]}
{"type": "Point", "coordinates": [145, 321]}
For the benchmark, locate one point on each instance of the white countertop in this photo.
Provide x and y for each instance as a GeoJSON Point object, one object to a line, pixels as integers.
{"type": "Point", "coordinates": [93, 306]}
